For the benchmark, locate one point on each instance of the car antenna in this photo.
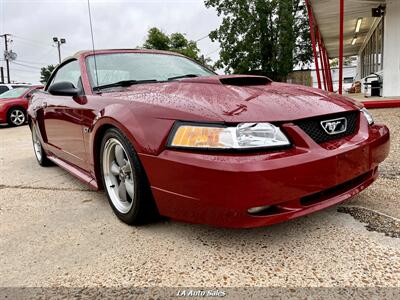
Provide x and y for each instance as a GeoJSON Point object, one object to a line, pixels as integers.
{"type": "Point", "coordinates": [94, 52]}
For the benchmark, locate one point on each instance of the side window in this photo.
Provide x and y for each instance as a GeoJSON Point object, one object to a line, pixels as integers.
{"type": "Point", "coordinates": [70, 72]}
{"type": "Point", "coordinates": [3, 89]}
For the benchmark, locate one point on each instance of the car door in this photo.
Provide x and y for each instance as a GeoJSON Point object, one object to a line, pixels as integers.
{"type": "Point", "coordinates": [62, 118]}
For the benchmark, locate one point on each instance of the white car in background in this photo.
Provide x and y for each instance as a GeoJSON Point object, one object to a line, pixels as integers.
{"type": "Point", "coordinates": [4, 87]}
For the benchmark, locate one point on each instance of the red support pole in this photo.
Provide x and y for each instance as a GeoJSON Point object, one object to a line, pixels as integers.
{"type": "Point", "coordinates": [326, 64]}
{"type": "Point", "coordinates": [341, 47]}
{"type": "Point", "coordinates": [311, 21]}
{"type": "Point", "coordinates": [328, 70]}
{"type": "Point", "coordinates": [321, 58]}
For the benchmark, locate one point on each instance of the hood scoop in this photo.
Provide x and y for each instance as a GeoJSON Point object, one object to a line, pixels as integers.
{"type": "Point", "coordinates": [245, 80]}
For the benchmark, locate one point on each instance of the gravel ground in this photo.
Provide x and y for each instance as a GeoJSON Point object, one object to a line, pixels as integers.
{"type": "Point", "coordinates": [384, 195]}
{"type": "Point", "coordinates": [55, 232]}
{"type": "Point", "coordinates": [374, 220]}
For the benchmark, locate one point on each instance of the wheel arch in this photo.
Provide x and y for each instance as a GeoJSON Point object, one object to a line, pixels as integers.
{"type": "Point", "coordinates": [96, 145]}
{"type": "Point", "coordinates": [16, 106]}
{"type": "Point", "coordinates": [96, 138]}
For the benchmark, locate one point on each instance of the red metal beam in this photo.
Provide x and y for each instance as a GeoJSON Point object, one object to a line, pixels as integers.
{"type": "Point", "coordinates": [381, 103]}
{"type": "Point", "coordinates": [312, 33]}
{"type": "Point", "coordinates": [341, 46]}
{"type": "Point", "coordinates": [329, 68]}
{"type": "Point", "coordinates": [325, 61]}
{"type": "Point", "coordinates": [321, 57]}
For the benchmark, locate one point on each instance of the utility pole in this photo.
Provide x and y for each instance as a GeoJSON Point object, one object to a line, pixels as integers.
{"type": "Point", "coordinates": [6, 56]}
{"type": "Point", "coordinates": [58, 42]}
{"type": "Point", "coordinates": [1, 75]}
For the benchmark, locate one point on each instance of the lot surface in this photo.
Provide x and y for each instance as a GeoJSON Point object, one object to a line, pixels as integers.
{"type": "Point", "coordinates": [54, 231]}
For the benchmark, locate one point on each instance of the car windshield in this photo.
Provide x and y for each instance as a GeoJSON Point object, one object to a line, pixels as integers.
{"type": "Point", "coordinates": [142, 67]}
{"type": "Point", "coordinates": [14, 93]}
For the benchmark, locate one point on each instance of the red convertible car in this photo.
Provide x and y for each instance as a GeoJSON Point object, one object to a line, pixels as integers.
{"type": "Point", "coordinates": [163, 135]}
{"type": "Point", "coordinates": [14, 103]}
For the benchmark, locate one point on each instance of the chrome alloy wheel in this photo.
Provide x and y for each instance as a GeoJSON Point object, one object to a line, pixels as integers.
{"type": "Point", "coordinates": [36, 144]}
{"type": "Point", "coordinates": [118, 177]}
{"type": "Point", "coordinates": [17, 117]}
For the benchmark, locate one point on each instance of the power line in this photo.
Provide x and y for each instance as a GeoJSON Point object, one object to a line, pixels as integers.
{"type": "Point", "coordinates": [202, 38]}
{"type": "Point", "coordinates": [25, 65]}
{"type": "Point", "coordinates": [212, 52]}
{"type": "Point", "coordinates": [45, 55]}
{"type": "Point", "coordinates": [32, 62]}
{"type": "Point", "coordinates": [27, 71]}
{"type": "Point", "coordinates": [31, 41]}
{"type": "Point", "coordinates": [22, 43]}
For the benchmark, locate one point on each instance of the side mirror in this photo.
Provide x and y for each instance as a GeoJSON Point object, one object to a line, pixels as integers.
{"type": "Point", "coordinates": [63, 88]}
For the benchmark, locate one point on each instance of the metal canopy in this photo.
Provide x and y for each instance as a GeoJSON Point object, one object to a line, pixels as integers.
{"type": "Point", "coordinates": [327, 15]}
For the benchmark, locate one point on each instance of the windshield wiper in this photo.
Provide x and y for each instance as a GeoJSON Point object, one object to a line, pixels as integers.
{"type": "Point", "coordinates": [183, 76]}
{"type": "Point", "coordinates": [122, 83]}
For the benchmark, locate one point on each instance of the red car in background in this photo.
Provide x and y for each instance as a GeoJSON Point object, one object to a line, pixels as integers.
{"type": "Point", "coordinates": [163, 134]}
{"type": "Point", "coordinates": [14, 104]}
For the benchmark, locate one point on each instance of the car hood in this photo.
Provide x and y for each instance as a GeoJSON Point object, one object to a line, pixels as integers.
{"type": "Point", "coordinates": [237, 99]}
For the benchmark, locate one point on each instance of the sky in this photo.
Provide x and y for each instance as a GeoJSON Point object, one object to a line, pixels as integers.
{"type": "Point", "coordinates": [116, 24]}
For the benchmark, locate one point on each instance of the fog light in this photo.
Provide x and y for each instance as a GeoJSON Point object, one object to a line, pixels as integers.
{"type": "Point", "coordinates": [256, 210]}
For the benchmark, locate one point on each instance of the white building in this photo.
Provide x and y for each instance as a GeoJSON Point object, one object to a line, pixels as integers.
{"type": "Point", "coordinates": [371, 31]}
{"type": "Point", "coordinates": [349, 76]}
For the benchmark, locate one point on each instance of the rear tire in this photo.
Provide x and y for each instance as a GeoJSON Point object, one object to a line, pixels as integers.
{"type": "Point", "coordinates": [125, 180]}
{"type": "Point", "coordinates": [16, 116]}
{"type": "Point", "coordinates": [40, 154]}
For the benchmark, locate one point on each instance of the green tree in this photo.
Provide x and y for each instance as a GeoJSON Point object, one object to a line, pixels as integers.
{"type": "Point", "coordinates": [156, 39]}
{"type": "Point", "coordinates": [266, 37]}
{"type": "Point", "coordinates": [177, 42]}
{"type": "Point", "coordinates": [347, 61]}
{"type": "Point", "coordinates": [45, 73]}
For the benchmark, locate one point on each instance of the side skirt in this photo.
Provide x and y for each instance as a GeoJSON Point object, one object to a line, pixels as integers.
{"type": "Point", "coordinates": [77, 172]}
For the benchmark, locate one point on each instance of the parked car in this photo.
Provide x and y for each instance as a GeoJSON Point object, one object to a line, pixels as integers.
{"type": "Point", "coordinates": [4, 87]}
{"type": "Point", "coordinates": [163, 134]}
{"type": "Point", "coordinates": [14, 103]}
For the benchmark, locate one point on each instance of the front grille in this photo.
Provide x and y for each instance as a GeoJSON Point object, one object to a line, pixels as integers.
{"type": "Point", "coordinates": [313, 128]}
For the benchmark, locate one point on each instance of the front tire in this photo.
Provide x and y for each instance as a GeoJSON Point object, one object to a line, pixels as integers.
{"type": "Point", "coordinates": [16, 116]}
{"type": "Point", "coordinates": [124, 180]}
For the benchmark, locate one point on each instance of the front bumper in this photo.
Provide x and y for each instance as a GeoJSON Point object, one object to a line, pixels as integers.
{"type": "Point", "coordinates": [219, 189]}
{"type": "Point", "coordinates": [3, 114]}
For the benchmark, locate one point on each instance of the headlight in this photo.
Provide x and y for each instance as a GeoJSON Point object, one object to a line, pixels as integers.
{"type": "Point", "coordinates": [367, 115]}
{"type": "Point", "coordinates": [242, 136]}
